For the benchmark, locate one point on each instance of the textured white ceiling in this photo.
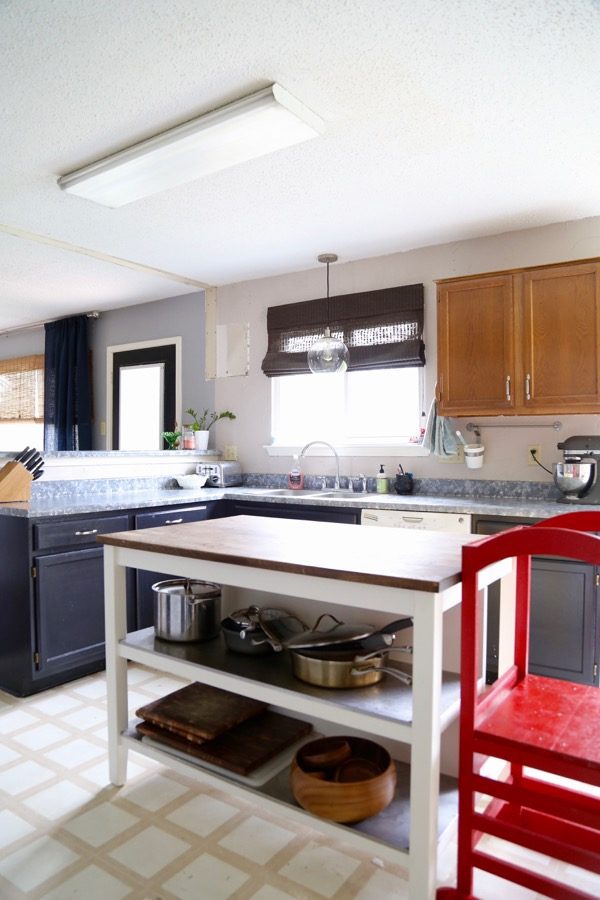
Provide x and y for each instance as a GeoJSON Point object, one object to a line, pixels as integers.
{"type": "Point", "coordinates": [445, 121]}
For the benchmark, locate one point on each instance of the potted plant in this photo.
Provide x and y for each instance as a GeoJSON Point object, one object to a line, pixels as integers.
{"type": "Point", "coordinates": [202, 423]}
{"type": "Point", "coordinates": [171, 438]}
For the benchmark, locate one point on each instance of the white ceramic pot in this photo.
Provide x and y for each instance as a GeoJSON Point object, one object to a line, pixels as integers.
{"type": "Point", "coordinates": [201, 440]}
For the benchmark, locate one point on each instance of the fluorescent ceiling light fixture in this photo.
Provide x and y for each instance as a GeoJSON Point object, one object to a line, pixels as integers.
{"type": "Point", "coordinates": [253, 126]}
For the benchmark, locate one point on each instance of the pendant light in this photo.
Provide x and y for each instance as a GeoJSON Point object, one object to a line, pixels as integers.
{"type": "Point", "coordinates": [328, 354]}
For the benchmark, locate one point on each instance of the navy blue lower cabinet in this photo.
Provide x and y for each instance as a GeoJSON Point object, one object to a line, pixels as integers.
{"type": "Point", "coordinates": [349, 516]}
{"type": "Point", "coordinates": [143, 579]}
{"type": "Point", "coordinates": [565, 615]}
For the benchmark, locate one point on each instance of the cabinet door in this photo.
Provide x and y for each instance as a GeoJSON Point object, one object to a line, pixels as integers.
{"type": "Point", "coordinates": [69, 605]}
{"type": "Point", "coordinates": [561, 335]}
{"type": "Point", "coordinates": [145, 579]}
{"type": "Point", "coordinates": [563, 620]}
{"type": "Point", "coordinates": [563, 626]}
{"type": "Point", "coordinates": [476, 369]}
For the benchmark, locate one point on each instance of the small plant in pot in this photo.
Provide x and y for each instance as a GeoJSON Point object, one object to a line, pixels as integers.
{"type": "Point", "coordinates": [202, 423]}
{"type": "Point", "coordinates": [171, 438]}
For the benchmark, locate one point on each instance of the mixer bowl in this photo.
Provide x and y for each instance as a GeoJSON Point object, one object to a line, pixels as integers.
{"type": "Point", "coordinates": [574, 477]}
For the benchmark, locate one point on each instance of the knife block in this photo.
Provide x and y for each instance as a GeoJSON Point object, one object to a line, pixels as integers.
{"type": "Point", "coordinates": [15, 483]}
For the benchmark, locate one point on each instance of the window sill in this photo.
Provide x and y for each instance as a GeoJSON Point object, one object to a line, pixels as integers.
{"type": "Point", "coordinates": [374, 450]}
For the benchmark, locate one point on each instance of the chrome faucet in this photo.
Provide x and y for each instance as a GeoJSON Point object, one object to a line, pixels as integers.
{"type": "Point", "coordinates": [336, 484]}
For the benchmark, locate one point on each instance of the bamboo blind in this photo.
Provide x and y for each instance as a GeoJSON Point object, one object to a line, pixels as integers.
{"type": "Point", "coordinates": [22, 389]}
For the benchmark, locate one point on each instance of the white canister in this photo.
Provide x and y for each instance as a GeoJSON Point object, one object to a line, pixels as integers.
{"type": "Point", "coordinates": [474, 455]}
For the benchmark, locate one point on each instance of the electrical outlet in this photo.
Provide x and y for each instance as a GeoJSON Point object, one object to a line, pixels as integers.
{"type": "Point", "coordinates": [533, 449]}
{"type": "Point", "coordinates": [230, 452]}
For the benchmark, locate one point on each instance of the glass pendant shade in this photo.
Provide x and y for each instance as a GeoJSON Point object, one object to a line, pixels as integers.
{"type": "Point", "coordinates": [328, 354]}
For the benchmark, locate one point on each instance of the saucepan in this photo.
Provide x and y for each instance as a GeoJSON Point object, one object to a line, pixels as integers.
{"type": "Point", "coordinates": [344, 669]}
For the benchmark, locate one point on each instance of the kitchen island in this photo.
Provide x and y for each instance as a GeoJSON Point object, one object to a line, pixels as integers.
{"type": "Point", "coordinates": [356, 570]}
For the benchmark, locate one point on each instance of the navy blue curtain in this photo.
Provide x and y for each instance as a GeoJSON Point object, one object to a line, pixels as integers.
{"type": "Point", "coordinates": [67, 387]}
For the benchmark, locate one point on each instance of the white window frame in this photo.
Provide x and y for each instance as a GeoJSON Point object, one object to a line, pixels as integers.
{"type": "Point", "coordinates": [358, 448]}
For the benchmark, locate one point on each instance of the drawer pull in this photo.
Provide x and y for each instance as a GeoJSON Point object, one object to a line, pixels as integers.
{"type": "Point", "coordinates": [173, 521]}
{"type": "Point", "coordinates": [412, 518]}
{"type": "Point", "coordinates": [92, 531]}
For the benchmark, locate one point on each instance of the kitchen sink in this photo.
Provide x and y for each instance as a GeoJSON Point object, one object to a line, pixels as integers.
{"type": "Point", "coordinates": [332, 494]}
{"type": "Point", "coordinates": [288, 492]}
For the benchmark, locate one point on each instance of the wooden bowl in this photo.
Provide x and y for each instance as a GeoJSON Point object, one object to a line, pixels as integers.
{"type": "Point", "coordinates": [346, 801]}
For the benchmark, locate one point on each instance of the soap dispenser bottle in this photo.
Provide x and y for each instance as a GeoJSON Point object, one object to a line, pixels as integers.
{"type": "Point", "coordinates": [381, 481]}
{"type": "Point", "coordinates": [295, 476]}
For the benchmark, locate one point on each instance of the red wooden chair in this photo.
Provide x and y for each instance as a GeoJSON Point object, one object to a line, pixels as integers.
{"type": "Point", "coordinates": [544, 724]}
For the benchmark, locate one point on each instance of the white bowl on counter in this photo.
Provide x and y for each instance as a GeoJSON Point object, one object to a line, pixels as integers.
{"type": "Point", "coordinates": [191, 482]}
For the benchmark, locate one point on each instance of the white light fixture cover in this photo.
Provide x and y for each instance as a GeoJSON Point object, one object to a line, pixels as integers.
{"type": "Point", "coordinates": [253, 126]}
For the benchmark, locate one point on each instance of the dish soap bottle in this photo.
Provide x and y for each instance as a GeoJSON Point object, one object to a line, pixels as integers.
{"type": "Point", "coordinates": [295, 476]}
{"type": "Point", "coordinates": [381, 481]}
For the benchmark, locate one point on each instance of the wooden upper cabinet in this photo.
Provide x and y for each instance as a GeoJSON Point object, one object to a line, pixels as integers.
{"type": "Point", "coordinates": [561, 335]}
{"type": "Point", "coordinates": [521, 342]}
{"type": "Point", "coordinates": [475, 320]}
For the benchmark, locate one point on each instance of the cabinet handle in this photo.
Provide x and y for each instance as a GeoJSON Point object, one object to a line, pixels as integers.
{"type": "Point", "coordinates": [507, 388]}
{"type": "Point", "coordinates": [173, 521]}
{"type": "Point", "coordinates": [528, 386]}
{"type": "Point", "coordinates": [412, 518]}
{"type": "Point", "coordinates": [92, 531]}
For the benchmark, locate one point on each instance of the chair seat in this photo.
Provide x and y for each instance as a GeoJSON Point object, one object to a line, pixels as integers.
{"type": "Point", "coordinates": [550, 719]}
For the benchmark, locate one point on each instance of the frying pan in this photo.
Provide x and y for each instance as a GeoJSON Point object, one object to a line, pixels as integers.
{"type": "Point", "coordinates": [343, 636]}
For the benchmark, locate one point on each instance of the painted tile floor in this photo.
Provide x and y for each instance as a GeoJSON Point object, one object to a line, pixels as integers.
{"type": "Point", "coordinates": [65, 832]}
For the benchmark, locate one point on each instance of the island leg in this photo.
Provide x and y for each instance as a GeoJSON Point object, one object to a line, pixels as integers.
{"type": "Point", "coordinates": [115, 614]}
{"type": "Point", "coordinates": [425, 751]}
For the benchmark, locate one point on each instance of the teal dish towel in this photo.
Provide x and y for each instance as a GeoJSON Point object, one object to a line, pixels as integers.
{"type": "Point", "coordinates": [439, 437]}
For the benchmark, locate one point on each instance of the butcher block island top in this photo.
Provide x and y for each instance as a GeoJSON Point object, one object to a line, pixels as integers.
{"type": "Point", "coordinates": [416, 560]}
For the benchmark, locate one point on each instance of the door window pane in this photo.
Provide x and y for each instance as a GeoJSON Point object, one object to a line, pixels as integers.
{"type": "Point", "coordinates": [141, 390]}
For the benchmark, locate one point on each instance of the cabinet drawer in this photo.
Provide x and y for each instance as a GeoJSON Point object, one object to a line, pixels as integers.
{"type": "Point", "coordinates": [171, 517]}
{"type": "Point", "coordinates": [76, 531]}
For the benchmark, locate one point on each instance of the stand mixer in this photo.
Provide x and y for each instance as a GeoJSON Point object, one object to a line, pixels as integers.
{"type": "Point", "coordinates": [577, 477]}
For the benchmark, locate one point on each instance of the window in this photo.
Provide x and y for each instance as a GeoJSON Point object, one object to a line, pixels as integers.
{"type": "Point", "coordinates": [22, 402]}
{"type": "Point", "coordinates": [378, 402]}
{"type": "Point", "coordinates": [379, 407]}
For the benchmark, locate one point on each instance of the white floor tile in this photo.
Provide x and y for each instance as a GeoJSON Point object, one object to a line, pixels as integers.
{"type": "Point", "coordinates": [384, 885]}
{"type": "Point", "coordinates": [75, 753]}
{"type": "Point", "coordinates": [41, 736]}
{"type": "Point", "coordinates": [320, 868]}
{"type": "Point", "coordinates": [23, 776]}
{"type": "Point", "coordinates": [92, 690]}
{"type": "Point", "coordinates": [149, 851]}
{"type": "Point", "coordinates": [13, 719]}
{"type": "Point", "coordinates": [100, 824]}
{"type": "Point", "coordinates": [33, 864]}
{"type": "Point", "coordinates": [92, 883]}
{"type": "Point", "coordinates": [206, 877]}
{"type": "Point", "coordinates": [257, 839]}
{"type": "Point", "coordinates": [7, 755]}
{"type": "Point", "coordinates": [12, 828]}
{"type": "Point", "coordinates": [268, 892]}
{"type": "Point", "coordinates": [98, 774]}
{"type": "Point", "coordinates": [85, 718]}
{"type": "Point", "coordinates": [203, 814]}
{"type": "Point", "coordinates": [58, 800]}
{"type": "Point", "coordinates": [153, 793]}
{"type": "Point", "coordinates": [54, 703]}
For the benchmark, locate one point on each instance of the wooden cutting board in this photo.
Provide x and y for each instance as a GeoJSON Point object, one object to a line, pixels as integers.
{"type": "Point", "coordinates": [243, 748]}
{"type": "Point", "coordinates": [199, 711]}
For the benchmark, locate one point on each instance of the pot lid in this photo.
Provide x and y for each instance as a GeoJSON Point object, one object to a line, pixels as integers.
{"type": "Point", "coordinates": [285, 631]}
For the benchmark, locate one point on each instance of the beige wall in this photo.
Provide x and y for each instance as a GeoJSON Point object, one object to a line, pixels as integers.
{"type": "Point", "coordinates": [506, 448]}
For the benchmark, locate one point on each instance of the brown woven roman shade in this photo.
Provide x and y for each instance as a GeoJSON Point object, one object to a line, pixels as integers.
{"type": "Point", "coordinates": [22, 389]}
{"type": "Point", "coordinates": [382, 329]}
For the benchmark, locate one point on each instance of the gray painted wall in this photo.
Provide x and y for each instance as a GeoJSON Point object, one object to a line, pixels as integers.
{"type": "Point", "coordinates": [173, 317]}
